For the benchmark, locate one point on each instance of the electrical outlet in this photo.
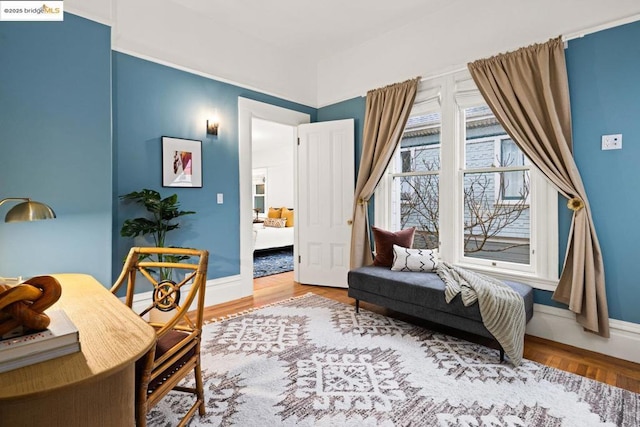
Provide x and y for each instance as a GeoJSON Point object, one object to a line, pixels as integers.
{"type": "Point", "coordinates": [220, 198]}
{"type": "Point", "coordinates": [612, 142]}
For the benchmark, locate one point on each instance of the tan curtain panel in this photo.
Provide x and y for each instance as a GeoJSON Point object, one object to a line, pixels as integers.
{"type": "Point", "coordinates": [528, 91]}
{"type": "Point", "coordinates": [386, 114]}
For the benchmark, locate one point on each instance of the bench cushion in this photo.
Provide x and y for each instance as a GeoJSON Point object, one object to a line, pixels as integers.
{"type": "Point", "coordinates": [420, 289]}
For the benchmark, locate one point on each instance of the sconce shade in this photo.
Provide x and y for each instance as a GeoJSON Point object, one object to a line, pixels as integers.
{"type": "Point", "coordinates": [212, 127]}
{"type": "Point", "coordinates": [29, 211]}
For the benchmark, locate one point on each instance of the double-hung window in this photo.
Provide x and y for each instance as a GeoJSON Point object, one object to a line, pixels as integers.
{"type": "Point", "coordinates": [467, 188]}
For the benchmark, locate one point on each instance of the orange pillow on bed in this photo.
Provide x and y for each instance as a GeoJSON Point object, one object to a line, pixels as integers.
{"type": "Point", "coordinates": [274, 213]}
{"type": "Point", "coordinates": [288, 215]}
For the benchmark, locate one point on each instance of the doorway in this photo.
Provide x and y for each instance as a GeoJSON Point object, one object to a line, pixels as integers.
{"type": "Point", "coordinates": [273, 192]}
{"type": "Point", "coordinates": [248, 110]}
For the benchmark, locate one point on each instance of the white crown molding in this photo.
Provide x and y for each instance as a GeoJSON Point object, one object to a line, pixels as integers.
{"type": "Point", "coordinates": [601, 27]}
{"type": "Point", "coordinates": [89, 16]}
{"type": "Point", "coordinates": [203, 74]}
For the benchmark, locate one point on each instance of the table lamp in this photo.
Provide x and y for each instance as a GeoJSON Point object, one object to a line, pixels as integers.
{"type": "Point", "coordinates": [28, 210]}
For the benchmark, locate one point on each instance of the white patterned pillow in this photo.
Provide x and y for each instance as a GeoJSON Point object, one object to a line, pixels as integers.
{"type": "Point", "coordinates": [275, 222]}
{"type": "Point", "coordinates": [421, 260]}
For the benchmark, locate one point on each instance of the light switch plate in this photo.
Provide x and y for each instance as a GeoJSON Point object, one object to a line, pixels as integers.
{"type": "Point", "coordinates": [612, 142]}
{"type": "Point", "coordinates": [220, 198]}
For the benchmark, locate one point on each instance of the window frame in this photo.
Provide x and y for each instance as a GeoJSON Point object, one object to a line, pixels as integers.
{"type": "Point", "coordinates": [450, 95]}
{"type": "Point", "coordinates": [259, 177]}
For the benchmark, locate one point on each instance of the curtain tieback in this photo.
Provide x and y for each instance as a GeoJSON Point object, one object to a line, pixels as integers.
{"type": "Point", "coordinates": [575, 204]}
{"type": "Point", "coordinates": [362, 202]}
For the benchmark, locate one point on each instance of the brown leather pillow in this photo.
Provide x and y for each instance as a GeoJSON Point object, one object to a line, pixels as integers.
{"type": "Point", "coordinates": [384, 241]}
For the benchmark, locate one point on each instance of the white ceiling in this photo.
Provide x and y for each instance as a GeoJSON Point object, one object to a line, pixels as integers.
{"type": "Point", "coordinates": [321, 52]}
{"type": "Point", "coordinates": [319, 28]}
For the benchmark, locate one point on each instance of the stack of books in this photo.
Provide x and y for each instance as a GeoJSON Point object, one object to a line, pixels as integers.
{"type": "Point", "coordinates": [21, 348]}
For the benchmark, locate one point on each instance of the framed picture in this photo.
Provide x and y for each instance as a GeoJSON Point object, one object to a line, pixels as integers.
{"type": "Point", "coordinates": [181, 162]}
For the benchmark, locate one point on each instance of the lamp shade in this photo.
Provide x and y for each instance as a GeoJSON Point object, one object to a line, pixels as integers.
{"type": "Point", "coordinates": [29, 211]}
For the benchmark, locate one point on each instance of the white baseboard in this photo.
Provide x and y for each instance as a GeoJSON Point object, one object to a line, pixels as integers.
{"type": "Point", "coordinates": [559, 325]}
{"type": "Point", "coordinates": [218, 291]}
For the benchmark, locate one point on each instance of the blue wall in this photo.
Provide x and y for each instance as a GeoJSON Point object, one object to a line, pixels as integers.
{"type": "Point", "coordinates": [55, 139]}
{"type": "Point", "coordinates": [604, 83]}
{"type": "Point", "coordinates": [350, 109]}
{"type": "Point", "coordinates": [152, 100]}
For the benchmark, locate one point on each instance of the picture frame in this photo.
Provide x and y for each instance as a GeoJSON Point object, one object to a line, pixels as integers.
{"type": "Point", "coordinates": [181, 162]}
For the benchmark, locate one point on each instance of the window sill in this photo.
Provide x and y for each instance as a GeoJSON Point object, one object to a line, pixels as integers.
{"type": "Point", "coordinates": [530, 279]}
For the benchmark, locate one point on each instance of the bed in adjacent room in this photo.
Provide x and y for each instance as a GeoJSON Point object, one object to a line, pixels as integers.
{"type": "Point", "coordinates": [273, 232]}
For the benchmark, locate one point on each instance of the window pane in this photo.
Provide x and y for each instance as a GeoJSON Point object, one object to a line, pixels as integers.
{"type": "Point", "coordinates": [512, 185]}
{"type": "Point", "coordinates": [419, 208]}
{"type": "Point", "coordinates": [482, 130]}
{"type": "Point", "coordinates": [258, 203]}
{"type": "Point", "coordinates": [420, 144]}
{"type": "Point", "coordinates": [259, 188]}
{"type": "Point", "coordinates": [493, 229]}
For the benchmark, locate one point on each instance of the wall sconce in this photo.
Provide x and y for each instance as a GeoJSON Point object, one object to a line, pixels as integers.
{"type": "Point", "coordinates": [28, 210]}
{"type": "Point", "coordinates": [212, 127]}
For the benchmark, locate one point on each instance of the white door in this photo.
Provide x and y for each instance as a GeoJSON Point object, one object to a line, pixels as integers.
{"type": "Point", "coordinates": [325, 164]}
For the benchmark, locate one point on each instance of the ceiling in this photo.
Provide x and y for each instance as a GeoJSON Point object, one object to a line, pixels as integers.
{"type": "Point", "coordinates": [323, 52]}
{"type": "Point", "coordinates": [319, 28]}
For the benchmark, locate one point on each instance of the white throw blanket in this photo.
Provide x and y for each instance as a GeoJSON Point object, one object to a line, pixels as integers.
{"type": "Point", "coordinates": [501, 308]}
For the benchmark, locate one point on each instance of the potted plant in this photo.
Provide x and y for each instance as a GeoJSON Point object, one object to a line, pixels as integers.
{"type": "Point", "coordinates": [163, 218]}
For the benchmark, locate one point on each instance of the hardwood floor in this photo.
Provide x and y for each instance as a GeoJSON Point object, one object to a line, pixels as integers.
{"type": "Point", "coordinates": [607, 369]}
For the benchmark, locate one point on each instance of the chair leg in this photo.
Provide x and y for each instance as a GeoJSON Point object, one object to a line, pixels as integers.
{"type": "Point", "coordinates": [501, 354]}
{"type": "Point", "coordinates": [200, 388]}
{"type": "Point", "coordinates": [357, 306]}
{"type": "Point", "coordinates": [143, 376]}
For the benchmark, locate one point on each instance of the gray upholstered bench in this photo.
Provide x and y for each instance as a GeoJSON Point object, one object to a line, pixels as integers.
{"type": "Point", "coordinates": [422, 295]}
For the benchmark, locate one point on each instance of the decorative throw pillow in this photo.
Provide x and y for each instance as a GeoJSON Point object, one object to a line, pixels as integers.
{"type": "Point", "coordinates": [274, 213]}
{"type": "Point", "coordinates": [288, 215]}
{"type": "Point", "coordinates": [421, 260]}
{"type": "Point", "coordinates": [275, 222]}
{"type": "Point", "coordinates": [384, 241]}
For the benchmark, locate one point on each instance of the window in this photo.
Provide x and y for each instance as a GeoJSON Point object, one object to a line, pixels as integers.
{"type": "Point", "coordinates": [259, 195]}
{"type": "Point", "coordinates": [416, 183]}
{"type": "Point", "coordinates": [496, 217]}
{"type": "Point", "coordinates": [468, 189]}
{"type": "Point", "coordinates": [514, 184]}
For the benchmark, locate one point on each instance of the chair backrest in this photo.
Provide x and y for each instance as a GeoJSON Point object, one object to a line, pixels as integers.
{"type": "Point", "coordinates": [178, 278]}
{"type": "Point", "coordinates": [171, 272]}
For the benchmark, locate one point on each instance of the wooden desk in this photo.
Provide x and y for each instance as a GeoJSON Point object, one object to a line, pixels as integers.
{"type": "Point", "coordinates": [94, 387]}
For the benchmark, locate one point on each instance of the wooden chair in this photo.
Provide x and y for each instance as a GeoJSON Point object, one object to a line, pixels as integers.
{"type": "Point", "coordinates": [177, 349]}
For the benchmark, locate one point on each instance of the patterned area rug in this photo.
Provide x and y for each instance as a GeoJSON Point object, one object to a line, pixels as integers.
{"type": "Point", "coordinates": [266, 263]}
{"type": "Point", "coordinates": [311, 361]}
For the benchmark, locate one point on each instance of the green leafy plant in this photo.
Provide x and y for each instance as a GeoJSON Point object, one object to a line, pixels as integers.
{"type": "Point", "coordinates": [162, 218]}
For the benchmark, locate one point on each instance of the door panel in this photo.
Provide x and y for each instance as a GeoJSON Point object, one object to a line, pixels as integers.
{"type": "Point", "coordinates": [325, 201]}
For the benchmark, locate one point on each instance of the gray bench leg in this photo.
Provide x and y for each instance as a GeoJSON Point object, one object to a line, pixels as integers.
{"type": "Point", "coordinates": [357, 306]}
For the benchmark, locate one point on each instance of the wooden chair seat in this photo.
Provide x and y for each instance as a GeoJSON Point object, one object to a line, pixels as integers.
{"type": "Point", "coordinates": [165, 344]}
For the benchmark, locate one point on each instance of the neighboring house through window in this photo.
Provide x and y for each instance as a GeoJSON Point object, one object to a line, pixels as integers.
{"type": "Point", "coordinates": [468, 189]}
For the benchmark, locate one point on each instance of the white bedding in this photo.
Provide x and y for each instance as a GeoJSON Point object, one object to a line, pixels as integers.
{"type": "Point", "coordinates": [271, 237]}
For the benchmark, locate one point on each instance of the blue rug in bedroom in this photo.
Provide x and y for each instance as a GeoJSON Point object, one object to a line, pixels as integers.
{"type": "Point", "coordinates": [266, 263]}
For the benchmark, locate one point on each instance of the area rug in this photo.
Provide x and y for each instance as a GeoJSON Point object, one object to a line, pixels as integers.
{"type": "Point", "coordinates": [311, 361]}
{"type": "Point", "coordinates": [267, 263]}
